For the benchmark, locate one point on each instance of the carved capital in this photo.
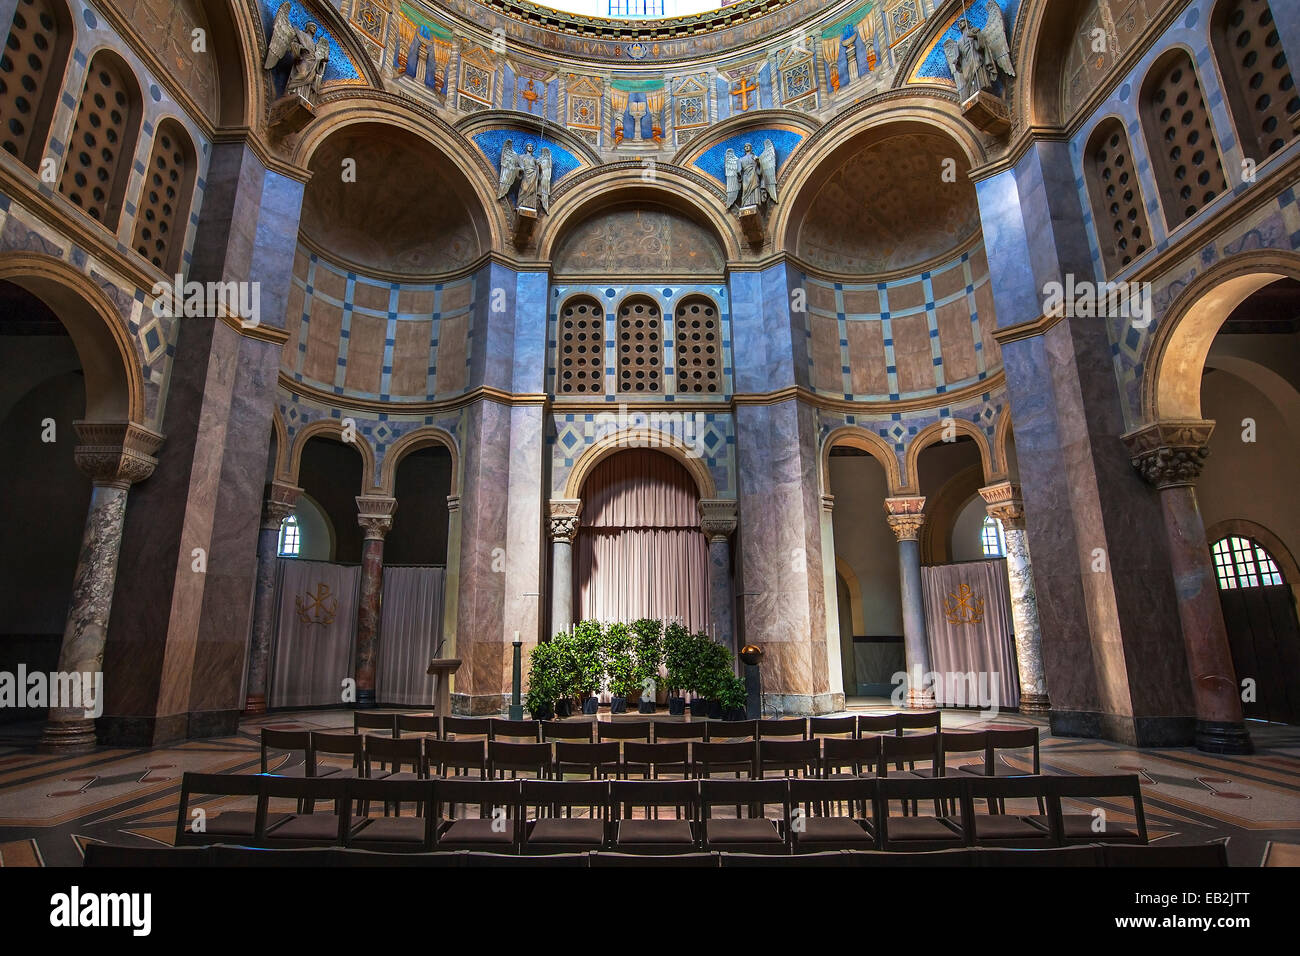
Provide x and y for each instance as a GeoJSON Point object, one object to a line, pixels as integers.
{"type": "Point", "coordinates": [828, 503]}
{"type": "Point", "coordinates": [563, 513]}
{"type": "Point", "coordinates": [905, 515]}
{"type": "Point", "coordinates": [116, 453]}
{"type": "Point", "coordinates": [375, 515]}
{"type": "Point", "coordinates": [1002, 500]}
{"type": "Point", "coordinates": [717, 518]}
{"type": "Point", "coordinates": [453, 504]}
{"type": "Point", "coordinates": [1170, 454]}
{"type": "Point", "coordinates": [281, 498]}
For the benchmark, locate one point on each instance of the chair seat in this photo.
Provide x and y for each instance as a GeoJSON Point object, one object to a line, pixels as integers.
{"type": "Point", "coordinates": [555, 830]}
{"type": "Point", "coordinates": [657, 832]}
{"type": "Point", "coordinates": [903, 829]}
{"type": "Point", "coordinates": [307, 826]}
{"type": "Point", "coordinates": [841, 831]}
{"type": "Point", "coordinates": [1003, 826]}
{"type": "Point", "coordinates": [242, 822]}
{"type": "Point", "coordinates": [750, 830]}
{"type": "Point", "coordinates": [400, 775]}
{"type": "Point", "coordinates": [478, 832]}
{"type": "Point", "coordinates": [391, 830]}
{"type": "Point", "coordinates": [1001, 770]}
{"type": "Point", "coordinates": [1078, 826]}
{"type": "Point", "coordinates": [923, 773]}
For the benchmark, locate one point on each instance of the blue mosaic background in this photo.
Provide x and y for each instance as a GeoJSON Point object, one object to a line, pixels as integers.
{"type": "Point", "coordinates": [784, 141]}
{"type": "Point", "coordinates": [491, 142]}
{"type": "Point", "coordinates": [340, 66]}
{"type": "Point", "coordinates": [935, 63]}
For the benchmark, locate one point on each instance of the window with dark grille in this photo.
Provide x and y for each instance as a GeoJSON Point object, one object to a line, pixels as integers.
{"type": "Point", "coordinates": [1256, 78]}
{"type": "Point", "coordinates": [31, 69]}
{"type": "Point", "coordinates": [165, 198]}
{"type": "Point", "coordinates": [581, 347]}
{"type": "Point", "coordinates": [640, 346]}
{"type": "Point", "coordinates": [699, 340]}
{"type": "Point", "coordinates": [102, 144]}
{"type": "Point", "coordinates": [1242, 563]}
{"type": "Point", "coordinates": [1117, 209]}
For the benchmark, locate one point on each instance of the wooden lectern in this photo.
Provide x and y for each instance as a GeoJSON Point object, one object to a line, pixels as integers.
{"type": "Point", "coordinates": [442, 668]}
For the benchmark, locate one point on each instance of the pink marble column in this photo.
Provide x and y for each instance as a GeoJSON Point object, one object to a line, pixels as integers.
{"type": "Point", "coordinates": [278, 505]}
{"type": "Point", "coordinates": [718, 522]}
{"type": "Point", "coordinates": [376, 519]}
{"type": "Point", "coordinates": [1170, 456]}
{"type": "Point", "coordinates": [115, 455]}
{"type": "Point", "coordinates": [906, 515]}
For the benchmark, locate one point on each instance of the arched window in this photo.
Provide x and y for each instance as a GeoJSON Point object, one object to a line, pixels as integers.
{"type": "Point", "coordinates": [32, 65]}
{"type": "Point", "coordinates": [640, 346]}
{"type": "Point", "coordinates": [1118, 213]}
{"type": "Point", "coordinates": [1256, 78]}
{"type": "Point", "coordinates": [161, 219]}
{"type": "Point", "coordinates": [992, 539]}
{"type": "Point", "coordinates": [102, 145]}
{"type": "Point", "coordinates": [699, 346]}
{"type": "Point", "coordinates": [1242, 563]}
{"type": "Point", "coordinates": [290, 538]}
{"type": "Point", "coordinates": [1180, 138]}
{"type": "Point", "coordinates": [581, 347]}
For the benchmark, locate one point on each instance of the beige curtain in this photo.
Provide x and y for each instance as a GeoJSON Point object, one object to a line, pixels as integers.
{"type": "Point", "coordinates": [315, 633]}
{"type": "Point", "coordinates": [968, 617]}
{"type": "Point", "coordinates": [409, 631]}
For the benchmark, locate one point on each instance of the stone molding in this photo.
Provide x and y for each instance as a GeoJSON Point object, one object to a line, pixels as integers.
{"type": "Point", "coordinates": [116, 453]}
{"type": "Point", "coordinates": [717, 518]}
{"type": "Point", "coordinates": [375, 515]}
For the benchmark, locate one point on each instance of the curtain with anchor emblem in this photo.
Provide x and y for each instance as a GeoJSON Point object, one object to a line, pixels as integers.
{"type": "Point", "coordinates": [315, 634]}
{"type": "Point", "coordinates": [972, 649]}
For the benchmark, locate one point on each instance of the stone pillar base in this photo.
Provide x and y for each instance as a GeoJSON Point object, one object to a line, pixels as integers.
{"type": "Point", "coordinates": [1223, 737]}
{"type": "Point", "coordinates": [1035, 704]}
{"type": "Point", "coordinates": [255, 704]}
{"type": "Point", "coordinates": [920, 700]}
{"type": "Point", "coordinates": [480, 705]}
{"type": "Point", "coordinates": [67, 736]}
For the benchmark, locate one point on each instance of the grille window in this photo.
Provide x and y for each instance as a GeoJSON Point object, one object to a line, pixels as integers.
{"type": "Point", "coordinates": [1118, 213]}
{"type": "Point", "coordinates": [640, 346]}
{"type": "Point", "coordinates": [699, 340]}
{"type": "Point", "coordinates": [102, 144]}
{"type": "Point", "coordinates": [31, 68]}
{"type": "Point", "coordinates": [164, 199]}
{"type": "Point", "coordinates": [582, 347]}
{"type": "Point", "coordinates": [1256, 77]}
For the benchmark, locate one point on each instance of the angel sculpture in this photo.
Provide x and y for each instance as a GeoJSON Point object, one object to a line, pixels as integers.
{"type": "Point", "coordinates": [751, 180]}
{"type": "Point", "coordinates": [310, 53]}
{"type": "Point", "coordinates": [977, 56]}
{"type": "Point", "coordinates": [532, 173]}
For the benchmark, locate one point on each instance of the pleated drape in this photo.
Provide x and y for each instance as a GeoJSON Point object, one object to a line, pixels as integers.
{"type": "Point", "coordinates": [970, 632]}
{"type": "Point", "coordinates": [409, 631]}
{"type": "Point", "coordinates": [315, 634]}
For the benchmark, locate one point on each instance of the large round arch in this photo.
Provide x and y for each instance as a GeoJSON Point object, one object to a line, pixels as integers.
{"type": "Point", "coordinates": [855, 436]}
{"type": "Point", "coordinates": [429, 436]}
{"type": "Point", "coordinates": [333, 428]}
{"type": "Point", "coordinates": [627, 438]}
{"type": "Point", "coordinates": [934, 433]}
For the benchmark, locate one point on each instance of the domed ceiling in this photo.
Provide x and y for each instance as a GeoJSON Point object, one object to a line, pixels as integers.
{"type": "Point", "coordinates": [888, 206]}
{"type": "Point", "coordinates": [410, 210]}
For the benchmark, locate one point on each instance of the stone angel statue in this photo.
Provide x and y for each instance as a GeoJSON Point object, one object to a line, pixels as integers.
{"type": "Point", "coordinates": [310, 53]}
{"type": "Point", "coordinates": [979, 54]}
{"type": "Point", "coordinates": [532, 173]}
{"type": "Point", "coordinates": [751, 180]}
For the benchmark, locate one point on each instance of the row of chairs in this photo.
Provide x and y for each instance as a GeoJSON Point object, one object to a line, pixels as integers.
{"type": "Point", "coordinates": [926, 755]}
{"type": "Point", "coordinates": [662, 816]}
{"type": "Point", "coordinates": [497, 728]}
{"type": "Point", "coordinates": [1086, 855]}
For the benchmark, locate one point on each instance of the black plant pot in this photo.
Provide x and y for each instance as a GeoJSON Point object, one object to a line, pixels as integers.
{"type": "Point", "coordinates": [646, 707]}
{"type": "Point", "coordinates": [544, 713]}
{"type": "Point", "coordinates": [618, 705]}
{"type": "Point", "coordinates": [715, 710]}
{"type": "Point", "coordinates": [676, 706]}
{"type": "Point", "coordinates": [564, 708]}
{"type": "Point", "coordinates": [591, 705]}
{"type": "Point", "coordinates": [735, 713]}
{"type": "Point", "coordinates": [699, 707]}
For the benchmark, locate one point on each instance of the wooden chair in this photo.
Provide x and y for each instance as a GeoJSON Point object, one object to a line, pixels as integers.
{"type": "Point", "coordinates": [734, 757]}
{"type": "Point", "coordinates": [228, 826]}
{"type": "Point", "coordinates": [555, 827]}
{"type": "Point", "coordinates": [597, 761]}
{"type": "Point", "coordinates": [244, 857]}
{"type": "Point", "coordinates": [304, 829]}
{"type": "Point", "coordinates": [369, 720]}
{"type": "Point", "coordinates": [750, 830]}
{"type": "Point", "coordinates": [783, 727]}
{"type": "Point", "coordinates": [819, 860]}
{"type": "Point", "coordinates": [495, 828]}
{"type": "Point", "coordinates": [455, 758]}
{"type": "Point", "coordinates": [906, 751]}
{"type": "Point", "coordinates": [832, 814]}
{"type": "Point", "coordinates": [472, 859]}
{"type": "Point", "coordinates": [392, 755]}
{"type": "Point", "coordinates": [458, 728]}
{"type": "Point", "coordinates": [877, 724]}
{"type": "Point", "coordinates": [581, 731]}
{"type": "Point", "coordinates": [527, 731]}
{"type": "Point", "coordinates": [833, 726]}
{"type": "Point", "coordinates": [292, 740]}
{"type": "Point", "coordinates": [623, 730]}
{"type": "Point", "coordinates": [1097, 825]}
{"type": "Point", "coordinates": [724, 730]}
{"type": "Point", "coordinates": [395, 834]}
{"type": "Point", "coordinates": [1002, 740]}
{"type": "Point", "coordinates": [650, 760]}
{"type": "Point", "coordinates": [665, 730]}
{"type": "Point", "coordinates": [859, 754]}
{"type": "Point", "coordinates": [918, 832]}
{"type": "Point", "coordinates": [638, 860]}
{"type": "Point", "coordinates": [906, 720]}
{"type": "Point", "coordinates": [995, 827]}
{"type": "Point", "coordinates": [651, 834]}
{"type": "Point", "coordinates": [341, 745]}
{"type": "Point", "coordinates": [426, 725]}
{"type": "Point", "coordinates": [789, 758]}
{"type": "Point", "coordinates": [953, 743]}
{"type": "Point", "coordinates": [514, 759]}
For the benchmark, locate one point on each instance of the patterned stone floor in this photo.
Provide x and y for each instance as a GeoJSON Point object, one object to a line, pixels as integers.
{"type": "Point", "coordinates": [51, 806]}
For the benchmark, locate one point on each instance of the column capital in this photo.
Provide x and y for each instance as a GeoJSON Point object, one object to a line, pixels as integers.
{"type": "Point", "coordinates": [281, 498]}
{"type": "Point", "coordinates": [717, 518]}
{"type": "Point", "coordinates": [828, 503]}
{"type": "Point", "coordinates": [375, 515]}
{"type": "Point", "coordinates": [1170, 454]}
{"type": "Point", "coordinates": [562, 517]}
{"type": "Point", "coordinates": [1002, 500]}
{"type": "Point", "coordinates": [453, 504]}
{"type": "Point", "coordinates": [905, 515]}
{"type": "Point", "coordinates": [116, 453]}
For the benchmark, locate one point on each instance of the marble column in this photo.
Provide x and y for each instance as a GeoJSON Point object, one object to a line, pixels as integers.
{"type": "Point", "coordinates": [375, 515]}
{"type": "Point", "coordinates": [278, 505]}
{"type": "Point", "coordinates": [906, 515]}
{"type": "Point", "coordinates": [1170, 455]}
{"type": "Point", "coordinates": [115, 455]}
{"type": "Point", "coordinates": [1003, 502]}
{"type": "Point", "coordinates": [718, 522]}
{"type": "Point", "coordinates": [564, 514]}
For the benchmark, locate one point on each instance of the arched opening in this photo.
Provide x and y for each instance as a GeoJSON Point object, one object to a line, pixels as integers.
{"type": "Point", "coordinates": [162, 218]}
{"type": "Point", "coordinates": [32, 66]}
{"type": "Point", "coordinates": [1257, 78]}
{"type": "Point", "coordinates": [640, 550]}
{"type": "Point", "coordinates": [330, 474]}
{"type": "Point", "coordinates": [1118, 211]}
{"type": "Point", "coordinates": [421, 486]}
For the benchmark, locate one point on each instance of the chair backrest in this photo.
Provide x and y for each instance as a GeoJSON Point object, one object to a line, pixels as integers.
{"type": "Point", "coordinates": [1200, 854]}
{"type": "Point", "coordinates": [753, 794]}
{"type": "Point", "coordinates": [909, 749]}
{"type": "Point", "coordinates": [962, 743]}
{"type": "Point", "coordinates": [995, 790]}
{"type": "Point", "coordinates": [799, 756]}
{"type": "Point", "coordinates": [820, 795]}
{"type": "Point", "coordinates": [442, 755]}
{"type": "Point", "coordinates": [640, 860]}
{"type": "Point", "coordinates": [832, 726]}
{"type": "Point", "coordinates": [505, 757]}
{"type": "Point", "coordinates": [521, 730]}
{"type": "Point", "coordinates": [1091, 788]}
{"type": "Point", "coordinates": [724, 757]}
{"type": "Point", "coordinates": [419, 724]}
{"type": "Point", "coordinates": [682, 794]}
{"type": "Point", "coordinates": [1013, 740]}
{"type": "Point", "coordinates": [352, 745]}
{"type": "Point", "coordinates": [716, 730]}
{"type": "Point", "coordinates": [667, 753]}
{"type": "Point", "coordinates": [369, 720]}
{"type": "Point", "coordinates": [860, 753]}
{"type": "Point", "coordinates": [466, 727]}
{"type": "Point", "coordinates": [624, 730]}
{"type": "Point", "coordinates": [397, 752]}
{"type": "Point", "coordinates": [416, 792]}
{"type": "Point", "coordinates": [919, 720]}
{"type": "Point", "coordinates": [782, 727]}
{"type": "Point", "coordinates": [287, 740]}
{"type": "Point", "coordinates": [189, 830]}
{"type": "Point", "coordinates": [933, 792]}
{"type": "Point", "coordinates": [877, 724]}
{"type": "Point", "coordinates": [593, 756]}
{"type": "Point", "coordinates": [580, 730]}
{"type": "Point", "coordinates": [485, 794]}
{"type": "Point", "coordinates": [672, 730]}
{"type": "Point", "coordinates": [558, 798]}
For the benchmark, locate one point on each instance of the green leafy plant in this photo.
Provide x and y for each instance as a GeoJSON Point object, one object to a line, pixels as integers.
{"type": "Point", "coordinates": [544, 679]}
{"type": "Point", "coordinates": [732, 694]}
{"type": "Point", "coordinates": [678, 656]}
{"type": "Point", "coordinates": [620, 666]}
{"type": "Point", "coordinates": [647, 650]}
{"type": "Point", "coordinates": [712, 666]}
{"type": "Point", "coordinates": [586, 649]}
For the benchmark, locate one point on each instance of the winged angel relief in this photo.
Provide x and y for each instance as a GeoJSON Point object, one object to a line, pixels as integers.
{"type": "Point", "coordinates": [531, 173]}
{"type": "Point", "coordinates": [751, 180]}
{"type": "Point", "coordinates": [977, 56]}
{"type": "Point", "coordinates": [310, 53]}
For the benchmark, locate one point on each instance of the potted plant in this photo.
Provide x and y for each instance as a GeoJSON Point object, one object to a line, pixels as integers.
{"type": "Point", "coordinates": [648, 655]}
{"type": "Point", "coordinates": [714, 669]}
{"type": "Point", "coordinates": [733, 698]}
{"type": "Point", "coordinates": [619, 666]}
{"type": "Point", "coordinates": [565, 684]}
{"type": "Point", "coordinates": [587, 651]}
{"type": "Point", "coordinates": [677, 662]}
{"type": "Point", "coordinates": [542, 682]}
{"type": "Point", "coordinates": [703, 673]}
